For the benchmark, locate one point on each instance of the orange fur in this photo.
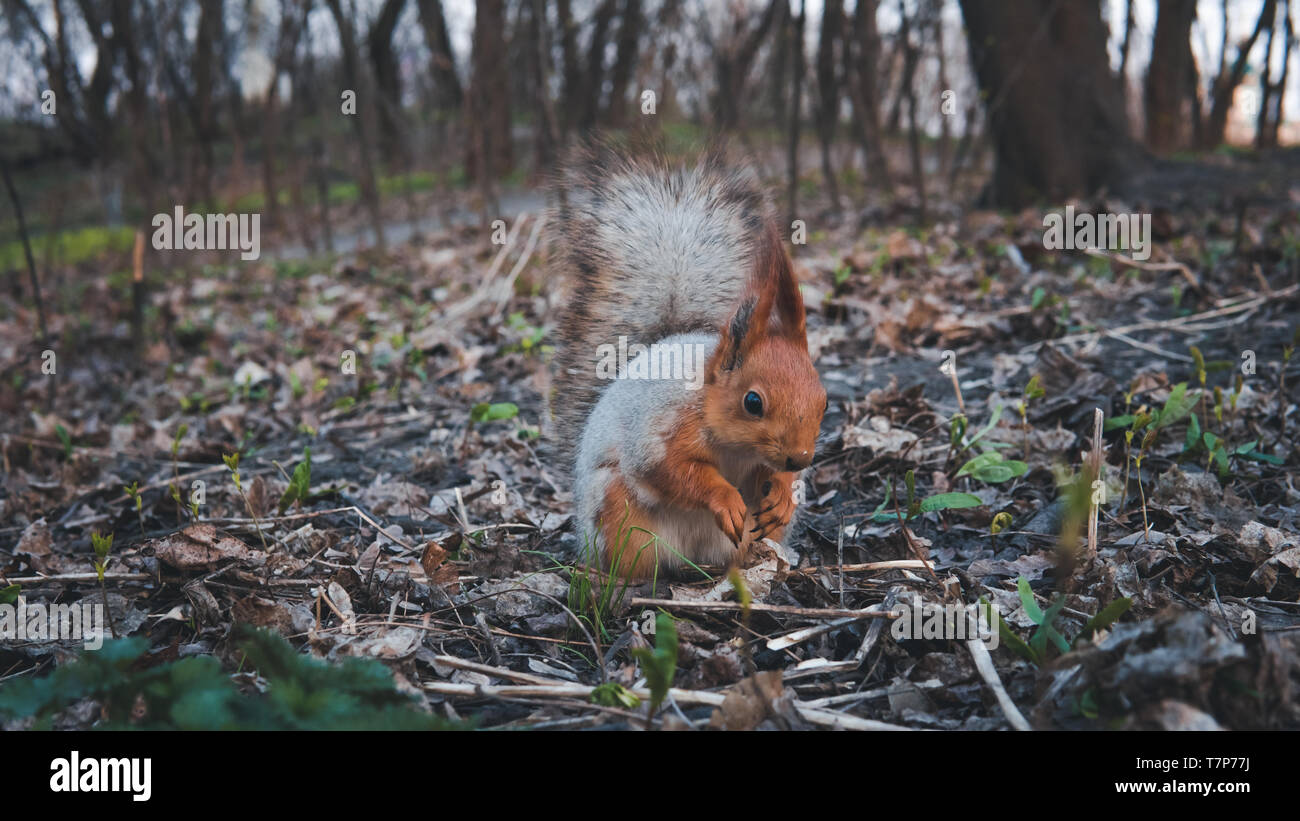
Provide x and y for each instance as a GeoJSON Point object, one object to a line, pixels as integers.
{"type": "Point", "coordinates": [628, 546]}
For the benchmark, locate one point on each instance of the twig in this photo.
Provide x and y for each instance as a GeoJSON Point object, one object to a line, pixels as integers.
{"type": "Point", "coordinates": [81, 577]}
{"type": "Point", "coordinates": [1095, 463]}
{"type": "Point", "coordinates": [1181, 323]}
{"type": "Point", "coordinates": [984, 664]}
{"type": "Point", "coordinates": [1128, 340]}
{"type": "Point", "coordinates": [813, 715]}
{"type": "Point", "coordinates": [1148, 266]}
{"type": "Point", "coordinates": [797, 636]}
{"type": "Point", "coordinates": [892, 564]}
{"type": "Point", "coordinates": [507, 287]}
{"type": "Point", "coordinates": [781, 609]}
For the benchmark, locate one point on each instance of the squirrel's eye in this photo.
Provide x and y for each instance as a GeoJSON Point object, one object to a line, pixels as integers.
{"type": "Point", "coordinates": [753, 404]}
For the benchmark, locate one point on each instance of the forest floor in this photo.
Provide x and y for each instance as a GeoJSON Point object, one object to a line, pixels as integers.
{"type": "Point", "coordinates": [434, 530]}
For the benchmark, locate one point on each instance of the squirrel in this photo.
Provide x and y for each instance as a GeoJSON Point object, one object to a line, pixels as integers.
{"type": "Point", "coordinates": [684, 392]}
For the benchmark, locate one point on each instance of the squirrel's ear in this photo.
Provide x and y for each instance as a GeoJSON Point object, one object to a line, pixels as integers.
{"type": "Point", "coordinates": [782, 285]}
{"type": "Point", "coordinates": [740, 333]}
{"type": "Point", "coordinates": [774, 306]}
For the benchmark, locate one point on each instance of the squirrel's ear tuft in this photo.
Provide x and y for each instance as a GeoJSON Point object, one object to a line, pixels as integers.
{"type": "Point", "coordinates": [737, 337]}
{"type": "Point", "coordinates": [781, 289]}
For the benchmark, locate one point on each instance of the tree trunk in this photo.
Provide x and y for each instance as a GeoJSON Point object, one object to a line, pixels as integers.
{"type": "Point", "coordinates": [1124, 51]}
{"type": "Point", "coordinates": [539, 60]}
{"type": "Point", "coordinates": [629, 35]}
{"type": "Point", "coordinates": [935, 13]}
{"type": "Point", "coordinates": [489, 152]}
{"type": "Point", "coordinates": [447, 95]}
{"type": "Point", "coordinates": [778, 66]}
{"type": "Point", "coordinates": [388, 86]}
{"type": "Point", "coordinates": [1266, 89]}
{"type": "Point", "coordinates": [573, 87]}
{"type": "Point", "coordinates": [286, 46]}
{"type": "Point", "coordinates": [362, 119]}
{"type": "Point", "coordinates": [797, 71]}
{"type": "Point", "coordinates": [1054, 109]}
{"type": "Point", "coordinates": [911, 57]}
{"type": "Point", "coordinates": [1166, 87]}
{"type": "Point", "coordinates": [1288, 44]}
{"type": "Point", "coordinates": [828, 92]}
{"type": "Point", "coordinates": [732, 59]}
{"type": "Point", "coordinates": [1225, 85]}
{"type": "Point", "coordinates": [210, 18]}
{"type": "Point", "coordinates": [863, 53]}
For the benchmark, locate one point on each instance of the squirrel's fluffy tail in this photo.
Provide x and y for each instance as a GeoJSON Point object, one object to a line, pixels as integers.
{"type": "Point", "coordinates": [647, 248]}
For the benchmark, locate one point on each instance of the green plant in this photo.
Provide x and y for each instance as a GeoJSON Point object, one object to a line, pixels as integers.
{"type": "Point", "coordinates": [962, 443]}
{"type": "Point", "coordinates": [133, 492]}
{"type": "Point", "coordinates": [1033, 390]}
{"type": "Point", "coordinates": [1139, 421]}
{"type": "Point", "coordinates": [660, 664]}
{"type": "Point", "coordinates": [1199, 361]}
{"type": "Point", "coordinates": [1035, 650]}
{"type": "Point", "coordinates": [9, 594]}
{"type": "Point", "coordinates": [299, 489]}
{"type": "Point", "coordinates": [300, 692]}
{"type": "Point", "coordinates": [613, 694]}
{"type": "Point", "coordinates": [530, 337]}
{"type": "Point", "coordinates": [1000, 523]}
{"type": "Point", "coordinates": [485, 412]}
{"type": "Point", "coordinates": [991, 467]}
{"type": "Point", "coordinates": [102, 546]}
{"type": "Point", "coordinates": [232, 463]}
{"type": "Point", "coordinates": [65, 439]}
{"type": "Point", "coordinates": [1147, 441]}
{"type": "Point", "coordinates": [917, 507]}
{"type": "Point", "coordinates": [174, 487]}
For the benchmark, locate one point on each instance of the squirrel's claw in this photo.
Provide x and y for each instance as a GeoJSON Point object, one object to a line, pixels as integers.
{"type": "Point", "coordinates": [729, 513]}
{"type": "Point", "coordinates": [776, 511]}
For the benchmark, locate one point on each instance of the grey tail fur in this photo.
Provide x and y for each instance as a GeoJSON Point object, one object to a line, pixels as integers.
{"type": "Point", "coordinates": [647, 247]}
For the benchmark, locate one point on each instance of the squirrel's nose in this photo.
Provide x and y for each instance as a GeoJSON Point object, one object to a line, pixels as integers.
{"type": "Point", "coordinates": [804, 460]}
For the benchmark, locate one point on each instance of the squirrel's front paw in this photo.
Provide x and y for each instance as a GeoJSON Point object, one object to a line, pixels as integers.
{"type": "Point", "coordinates": [775, 509]}
{"type": "Point", "coordinates": [728, 509]}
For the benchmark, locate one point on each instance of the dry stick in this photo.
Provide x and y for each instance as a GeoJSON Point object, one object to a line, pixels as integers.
{"type": "Point", "coordinates": [137, 291]}
{"type": "Point", "coordinates": [780, 609]}
{"type": "Point", "coordinates": [813, 715]}
{"type": "Point", "coordinates": [1186, 323]}
{"type": "Point", "coordinates": [507, 287]}
{"type": "Point", "coordinates": [489, 670]}
{"type": "Point", "coordinates": [892, 564]}
{"type": "Point", "coordinates": [810, 668]}
{"type": "Point", "coordinates": [81, 577]}
{"type": "Point", "coordinates": [468, 304]}
{"type": "Point", "coordinates": [984, 664]}
{"type": "Point", "coordinates": [793, 638]}
{"type": "Point", "coordinates": [879, 692]}
{"type": "Point", "coordinates": [1128, 340]}
{"type": "Point", "coordinates": [956, 387]}
{"type": "Point", "coordinates": [1095, 464]}
{"type": "Point", "coordinates": [1147, 266]}
{"type": "Point", "coordinates": [840, 558]}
